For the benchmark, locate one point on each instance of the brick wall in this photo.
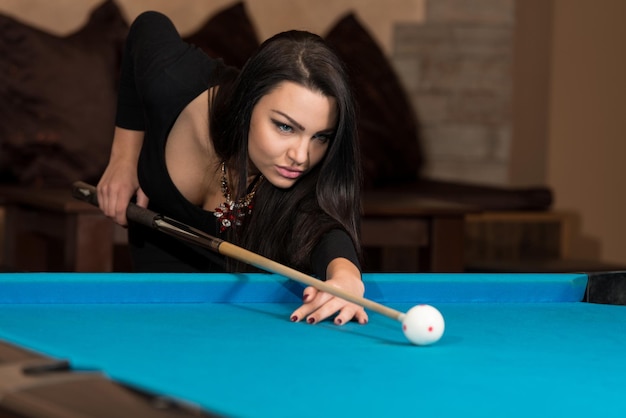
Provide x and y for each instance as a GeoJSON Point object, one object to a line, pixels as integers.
{"type": "Point", "coordinates": [457, 69]}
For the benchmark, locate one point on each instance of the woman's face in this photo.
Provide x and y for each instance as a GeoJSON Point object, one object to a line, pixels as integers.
{"type": "Point", "coordinates": [290, 130]}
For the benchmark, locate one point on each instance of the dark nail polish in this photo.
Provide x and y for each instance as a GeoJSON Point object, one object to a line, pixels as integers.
{"type": "Point", "coordinates": [294, 318]}
{"type": "Point", "coordinates": [338, 321]}
{"type": "Point", "coordinates": [310, 320]}
{"type": "Point", "coordinates": [305, 298]}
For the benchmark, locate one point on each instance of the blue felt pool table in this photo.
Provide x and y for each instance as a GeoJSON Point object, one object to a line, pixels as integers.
{"type": "Point", "coordinates": [516, 345]}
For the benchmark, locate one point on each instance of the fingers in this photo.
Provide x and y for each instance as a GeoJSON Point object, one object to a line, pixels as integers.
{"type": "Point", "coordinates": [312, 299]}
{"type": "Point", "coordinates": [142, 199]}
{"type": "Point", "coordinates": [113, 201]}
{"type": "Point", "coordinates": [319, 306]}
{"type": "Point", "coordinates": [350, 313]}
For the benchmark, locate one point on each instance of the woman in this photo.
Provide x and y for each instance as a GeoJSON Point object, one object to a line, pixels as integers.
{"type": "Point", "coordinates": [266, 158]}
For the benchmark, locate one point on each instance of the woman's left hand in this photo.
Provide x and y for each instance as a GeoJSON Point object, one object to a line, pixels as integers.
{"type": "Point", "coordinates": [318, 305]}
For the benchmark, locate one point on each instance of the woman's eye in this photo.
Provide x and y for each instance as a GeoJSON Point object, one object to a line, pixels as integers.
{"type": "Point", "coordinates": [283, 127]}
{"type": "Point", "coordinates": [323, 138]}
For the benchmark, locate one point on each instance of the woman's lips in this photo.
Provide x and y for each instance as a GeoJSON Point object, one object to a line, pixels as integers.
{"type": "Point", "coordinates": [288, 173]}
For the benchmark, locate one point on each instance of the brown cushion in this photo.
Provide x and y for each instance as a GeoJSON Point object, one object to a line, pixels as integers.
{"type": "Point", "coordinates": [229, 35]}
{"type": "Point", "coordinates": [57, 99]}
{"type": "Point", "coordinates": [387, 123]}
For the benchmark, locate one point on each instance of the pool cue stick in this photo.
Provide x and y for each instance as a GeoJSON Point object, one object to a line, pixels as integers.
{"type": "Point", "coordinates": [87, 193]}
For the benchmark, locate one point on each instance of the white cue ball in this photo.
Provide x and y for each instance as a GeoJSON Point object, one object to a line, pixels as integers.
{"type": "Point", "coordinates": [423, 325]}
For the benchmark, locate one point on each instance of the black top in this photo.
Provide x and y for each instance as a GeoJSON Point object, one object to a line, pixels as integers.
{"type": "Point", "coordinates": [161, 75]}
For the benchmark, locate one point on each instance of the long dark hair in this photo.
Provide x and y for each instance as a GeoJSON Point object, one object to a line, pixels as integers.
{"type": "Point", "coordinates": [286, 224]}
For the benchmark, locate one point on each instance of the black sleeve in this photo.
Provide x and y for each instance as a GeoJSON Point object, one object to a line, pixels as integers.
{"type": "Point", "coordinates": [334, 244]}
{"type": "Point", "coordinates": [152, 40]}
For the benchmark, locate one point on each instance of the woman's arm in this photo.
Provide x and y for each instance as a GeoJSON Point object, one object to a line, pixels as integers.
{"type": "Point", "coordinates": [119, 183]}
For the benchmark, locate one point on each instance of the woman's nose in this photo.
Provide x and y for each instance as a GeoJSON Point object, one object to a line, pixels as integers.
{"type": "Point", "coordinates": [299, 151]}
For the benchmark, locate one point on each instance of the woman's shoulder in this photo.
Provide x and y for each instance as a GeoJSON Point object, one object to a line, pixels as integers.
{"type": "Point", "coordinates": [154, 44]}
{"type": "Point", "coordinates": [151, 27]}
{"type": "Point", "coordinates": [152, 20]}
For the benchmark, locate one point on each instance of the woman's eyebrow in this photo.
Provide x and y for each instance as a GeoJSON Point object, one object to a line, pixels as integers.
{"type": "Point", "coordinates": [290, 119]}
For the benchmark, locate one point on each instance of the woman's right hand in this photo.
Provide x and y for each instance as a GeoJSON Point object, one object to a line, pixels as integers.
{"type": "Point", "coordinates": [119, 182]}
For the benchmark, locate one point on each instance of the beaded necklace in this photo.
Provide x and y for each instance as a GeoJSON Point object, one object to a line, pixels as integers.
{"type": "Point", "coordinates": [232, 212]}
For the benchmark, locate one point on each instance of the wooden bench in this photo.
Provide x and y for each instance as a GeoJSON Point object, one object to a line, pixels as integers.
{"type": "Point", "coordinates": [48, 230]}
{"type": "Point", "coordinates": [526, 242]}
{"type": "Point", "coordinates": [405, 233]}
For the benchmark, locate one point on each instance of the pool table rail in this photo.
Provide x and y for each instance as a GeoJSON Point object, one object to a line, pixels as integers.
{"type": "Point", "coordinates": [389, 288]}
{"type": "Point", "coordinates": [34, 385]}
